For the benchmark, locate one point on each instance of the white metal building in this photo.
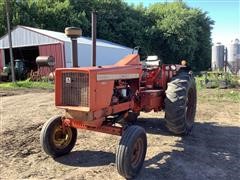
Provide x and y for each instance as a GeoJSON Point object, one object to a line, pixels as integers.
{"type": "Point", "coordinates": [28, 43]}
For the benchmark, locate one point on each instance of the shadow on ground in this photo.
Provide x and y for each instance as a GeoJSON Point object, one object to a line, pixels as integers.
{"type": "Point", "coordinates": [154, 126]}
{"type": "Point", "coordinates": [212, 151]}
{"type": "Point", "coordinates": [87, 158]}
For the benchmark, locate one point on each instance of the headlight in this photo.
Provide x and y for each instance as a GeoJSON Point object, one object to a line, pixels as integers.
{"type": "Point", "coordinates": [167, 68]}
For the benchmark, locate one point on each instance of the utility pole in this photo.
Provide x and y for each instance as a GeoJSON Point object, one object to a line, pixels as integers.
{"type": "Point", "coordinates": [10, 41]}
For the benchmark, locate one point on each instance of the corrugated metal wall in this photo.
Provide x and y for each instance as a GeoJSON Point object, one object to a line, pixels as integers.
{"type": "Point", "coordinates": [22, 37]}
{"type": "Point", "coordinates": [55, 50]}
{"type": "Point", "coordinates": [105, 55]}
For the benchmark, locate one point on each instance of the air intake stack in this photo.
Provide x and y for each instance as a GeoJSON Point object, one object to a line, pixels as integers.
{"type": "Point", "coordinates": [74, 33]}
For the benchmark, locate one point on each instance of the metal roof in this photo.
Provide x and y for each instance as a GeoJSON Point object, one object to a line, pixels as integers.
{"type": "Point", "coordinates": [23, 36]}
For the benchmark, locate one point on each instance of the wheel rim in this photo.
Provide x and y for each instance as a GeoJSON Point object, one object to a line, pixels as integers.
{"type": "Point", "coordinates": [190, 107]}
{"type": "Point", "coordinates": [137, 153]}
{"type": "Point", "coordinates": [61, 138]}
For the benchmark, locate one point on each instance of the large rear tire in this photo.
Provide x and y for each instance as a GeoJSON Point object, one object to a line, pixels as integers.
{"type": "Point", "coordinates": [131, 152]}
{"type": "Point", "coordinates": [56, 140]}
{"type": "Point", "coordinates": [180, 103]}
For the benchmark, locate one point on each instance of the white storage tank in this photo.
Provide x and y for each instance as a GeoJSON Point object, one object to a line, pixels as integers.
{"type": "Point", "coordinates": [234, 56]}
{"type": "Point", "coordinates": [218, 57]}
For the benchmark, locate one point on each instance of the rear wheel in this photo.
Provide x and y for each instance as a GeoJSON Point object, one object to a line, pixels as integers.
{"type": "Point", "coordinates": [180, 103]}
{"type": "Point", "coordinates": [56, 140]}
{"type": "Point", "coordinates": [131, 152]}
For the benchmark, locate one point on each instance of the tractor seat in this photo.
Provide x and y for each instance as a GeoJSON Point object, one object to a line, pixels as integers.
{"type": "Point", "coordinates": [152, 61]}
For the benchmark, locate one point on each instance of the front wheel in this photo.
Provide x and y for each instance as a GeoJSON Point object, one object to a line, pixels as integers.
{"type": "Point", "coordinates": [131, 151]}
{"type": "Point", "coordinates": [56, 140]}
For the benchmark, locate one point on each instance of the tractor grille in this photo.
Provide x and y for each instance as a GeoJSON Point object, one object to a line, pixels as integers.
{"type": "Point", "coordinates": [75, 89]}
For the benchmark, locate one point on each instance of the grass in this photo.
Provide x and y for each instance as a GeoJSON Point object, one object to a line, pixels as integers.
{"type": "Point", "coordinates": [219, 95]}
{"type": "Point", "coordinates": [216, 94]}
{"type": "Point", "coordinates": [26, 84]}
{"type": "Point", "coordinates": [204, 95]}
{"type": "Point", "coordinates": [215, 78]}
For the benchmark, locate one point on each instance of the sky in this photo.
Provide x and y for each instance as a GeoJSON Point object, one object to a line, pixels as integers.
{"type": "Point", "coordinates": [225, 13]}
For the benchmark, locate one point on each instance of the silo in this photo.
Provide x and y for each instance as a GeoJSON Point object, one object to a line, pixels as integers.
{"type": "Point", "coordinates": [218, 57]}
{"type": "Point", "coordinates": [234, 56]}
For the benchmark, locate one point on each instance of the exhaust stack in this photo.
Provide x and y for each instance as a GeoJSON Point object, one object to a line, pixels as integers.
{"type": "Point", "coordinates": [74, 33]}
{"type": "Point", "coordinates": [94, 22]}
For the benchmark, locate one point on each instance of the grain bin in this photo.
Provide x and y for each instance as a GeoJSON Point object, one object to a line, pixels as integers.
{"type": "Point", "coordinates": [218, 57]}
{"type": "Point", "coordinates": [234, 56]}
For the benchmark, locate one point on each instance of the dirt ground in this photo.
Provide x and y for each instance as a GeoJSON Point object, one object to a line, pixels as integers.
{"type": "Point", "coordinates": [212, 151]}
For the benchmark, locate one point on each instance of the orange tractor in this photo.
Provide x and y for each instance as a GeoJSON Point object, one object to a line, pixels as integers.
{"type": "Point", "coordinates": [108, 99]}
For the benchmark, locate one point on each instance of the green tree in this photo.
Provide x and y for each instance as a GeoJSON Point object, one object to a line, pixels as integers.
{"type": "Point", "coordinates": [181, 33]}
{"type": "Point", "coordinates": [173, 31]}
{"type": "Point", "coordinates": [2, 19]}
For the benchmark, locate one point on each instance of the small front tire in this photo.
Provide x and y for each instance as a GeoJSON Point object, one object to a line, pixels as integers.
{"type": "Point", "coordinates": [56, 140]}
{"type": "Point", "coordinates": [131, 152]}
